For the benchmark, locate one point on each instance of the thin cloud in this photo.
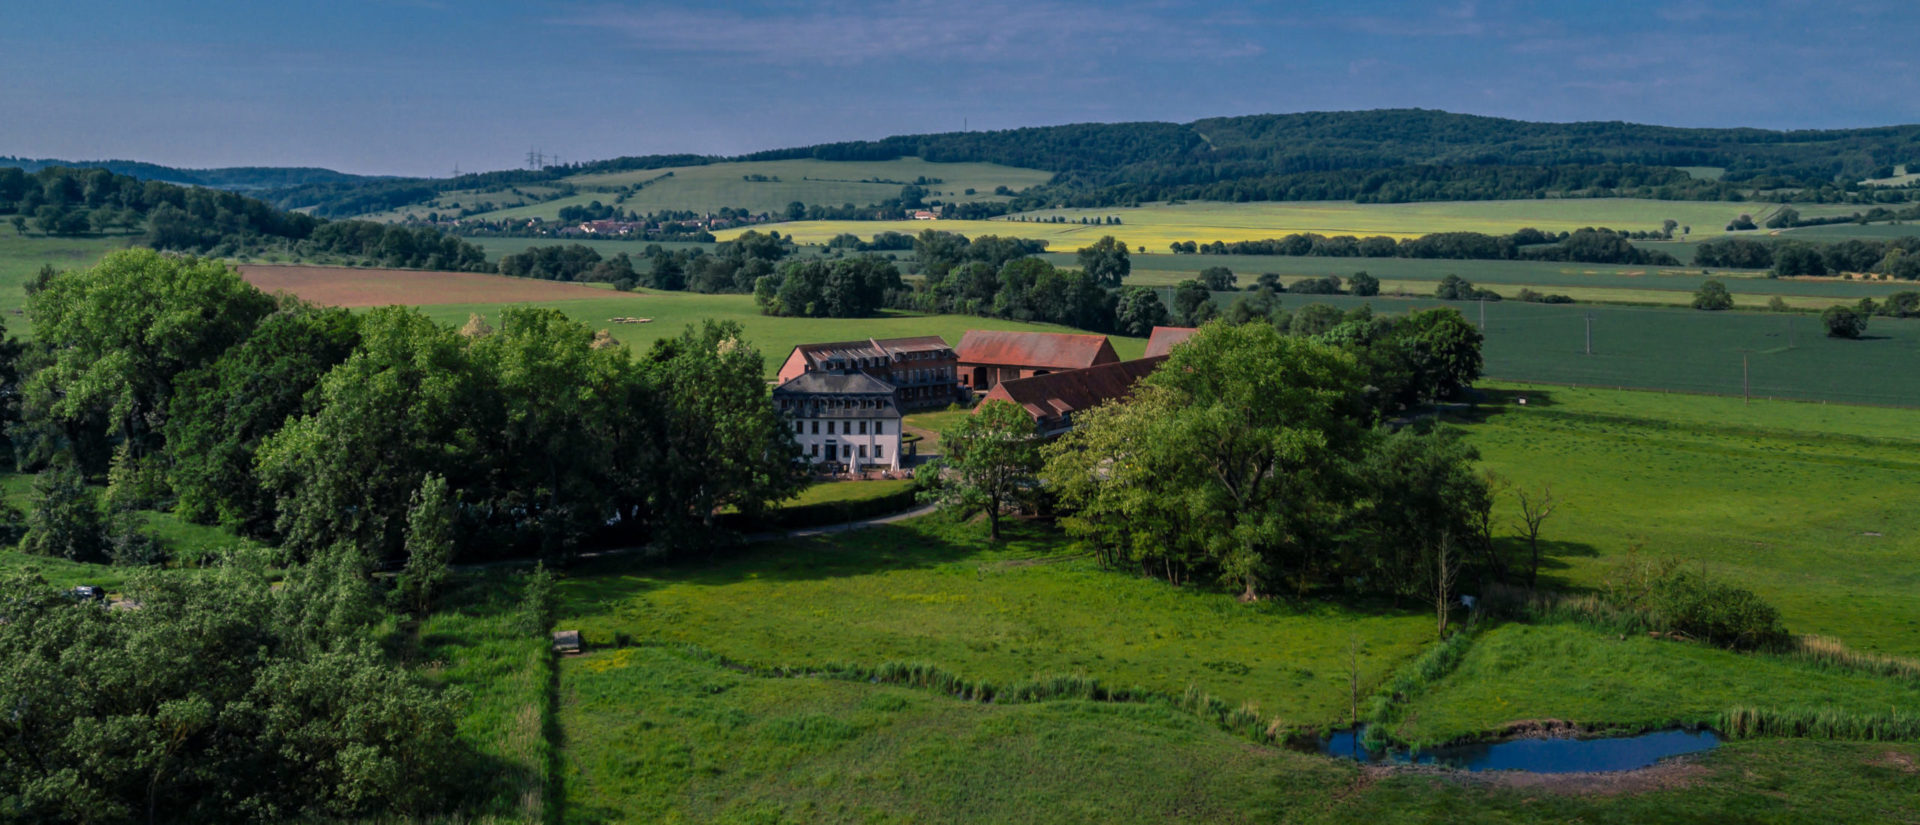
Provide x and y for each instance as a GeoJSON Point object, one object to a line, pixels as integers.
{"type": "Point", "coordinates": [918, 30]}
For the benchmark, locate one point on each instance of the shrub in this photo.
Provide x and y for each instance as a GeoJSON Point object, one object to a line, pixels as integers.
{"type": "Point", "coordinates": [1844, 322]}
{"type": "Point", "coordinates": [1713, 296]}
{"type": "Point", "coordinates": [1668, 597]}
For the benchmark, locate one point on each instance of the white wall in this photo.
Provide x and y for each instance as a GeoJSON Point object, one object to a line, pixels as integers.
{"type": "Point", "coordinates": [813, 448]}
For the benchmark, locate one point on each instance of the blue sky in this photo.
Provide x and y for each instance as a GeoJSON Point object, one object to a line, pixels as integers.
{"type": "Point", "coordinates": [417, 86]}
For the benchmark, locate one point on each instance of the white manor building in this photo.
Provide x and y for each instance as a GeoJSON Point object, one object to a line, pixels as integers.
{"type": "Point", "coordinates": [843, 421]}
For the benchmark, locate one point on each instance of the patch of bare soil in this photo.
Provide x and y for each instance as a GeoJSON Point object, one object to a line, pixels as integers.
{"type": "Point", "coordinates": [1675, 773]}
{"type": "Point", "coordinates": [1902, 762]}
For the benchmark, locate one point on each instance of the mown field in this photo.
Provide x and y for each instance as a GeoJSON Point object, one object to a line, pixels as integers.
{"type": "Point", "coordinates": [726, 185]}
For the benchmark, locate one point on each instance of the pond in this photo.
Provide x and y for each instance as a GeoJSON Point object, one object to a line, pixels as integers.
{"type": "Point", "coordinates": [1548, 755]}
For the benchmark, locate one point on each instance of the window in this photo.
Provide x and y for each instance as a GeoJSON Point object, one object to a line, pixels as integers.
{"type": "Point", "coordinates": [813, 450]}
{"type": "Point", "coordinates": [879, 451]}
{"type": "Point", "coordinates": [846, 451]}
{"type": "Point", "coordinates": [863, 451]}
{"type": "Point", "coordinates": [829, 428]}
{"type": "Point", "coordinates": [879, 427]}
{"type": "Point", "coordinates": [863, 428]}
{"type": "Point", "coordinates": [816, 428]}
{"type": "Point", "coordinates": [799, 426]}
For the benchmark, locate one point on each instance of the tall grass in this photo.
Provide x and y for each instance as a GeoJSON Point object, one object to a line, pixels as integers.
{"type": "Point", "coordinates": [1822, 651]}
{"type": "Point", "coordinates": [1820, 723]}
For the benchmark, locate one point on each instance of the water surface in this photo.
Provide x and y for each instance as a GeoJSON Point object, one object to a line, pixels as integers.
{"type": "Point", "coordinates": [1549, 755]}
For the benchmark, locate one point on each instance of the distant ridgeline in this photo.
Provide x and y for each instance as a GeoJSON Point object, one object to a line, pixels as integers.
{"type": "Point", "coordinates": [234, 178]}
{"type": "Point", "coordinates": [64, 201]}
{"type": "Point", "coordinates": [1380, 156]}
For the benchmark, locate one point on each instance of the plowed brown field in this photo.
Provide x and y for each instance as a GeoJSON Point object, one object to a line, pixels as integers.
{"type": "Point", "coordinates": [354, 287]}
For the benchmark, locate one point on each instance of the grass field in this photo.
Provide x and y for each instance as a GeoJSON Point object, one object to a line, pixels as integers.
{"type": "Point", "coordinates": [710, 188]}
{"type": "Point", "coordinates": [498, 247]}
{"type": "Point", "coordinates": [1803, 503]}
{"type": "Point", "coordinates": [1848, 231]}
{"type": "Point", "coordinates": [932, 591]}
{"type": "Point", "coordinates": [1584, 282]}
{"type": "Point", "coordinates": [357, 287]}
{"type": "Point", "coordinates": [657, 736]}
{"type": "Point", "coordinates": [1788, 354]}
{"type": "Point", "coordinates": [776, 337]}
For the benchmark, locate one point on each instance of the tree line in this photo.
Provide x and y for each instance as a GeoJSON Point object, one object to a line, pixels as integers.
{"type": "Point", "coordinates": [311, 428]}
{"type": "Point", "coordinates": [1897, 258]}
{"type": "Point", "coordinates": [1252, 458]}
{"type": "Point", "coordinates": [1588, 245]}
{"type": "Point", "coordinates": [62, 201]}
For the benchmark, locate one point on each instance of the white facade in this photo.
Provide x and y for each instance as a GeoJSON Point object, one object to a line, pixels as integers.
{"type": "Point", "coordinates": [846, 421]}
{"type": "Point", "coordinates": [855, 442]}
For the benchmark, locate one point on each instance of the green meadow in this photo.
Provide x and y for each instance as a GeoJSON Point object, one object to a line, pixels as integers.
{"type": "Point", "coordinates": [1809, 505]}
{"type": "Point", "coordinates": [930, 591]}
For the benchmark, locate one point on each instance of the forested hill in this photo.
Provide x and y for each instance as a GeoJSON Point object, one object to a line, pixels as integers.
{"type": "Point", "coordinates": [62, 201]}
{"type": "Point", "coordinates": [1216, 148]}
{"type": "Point", "coordinates": [1387, 155]}
{"type": "Point", "coordinates": [233, 178]}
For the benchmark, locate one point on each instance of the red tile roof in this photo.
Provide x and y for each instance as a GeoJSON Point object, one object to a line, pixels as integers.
{"type": "Point", "coordinates": [1043, 350]}
{"type": "Point", "coordinates": [1052, 397]}
{"type": "Point", "coordinates": [1164, 338]}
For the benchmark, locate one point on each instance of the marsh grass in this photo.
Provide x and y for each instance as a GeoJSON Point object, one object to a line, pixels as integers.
{"type": "Point", "coordinates": [1894, 725]}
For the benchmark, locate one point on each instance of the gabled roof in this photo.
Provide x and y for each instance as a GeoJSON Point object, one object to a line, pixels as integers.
{"type": "Point", "coordinates": [1058, 394]}
{"type": "Point", "coordinates": [834, 383]}
{"type": "Point", "coordinates": [870, 348]}
{"type": "Point", "coordinates": [1163, 339]}
{"type": "Point", "coordinates": [1046, 350]}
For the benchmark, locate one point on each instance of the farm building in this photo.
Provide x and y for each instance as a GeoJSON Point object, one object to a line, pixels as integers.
{"type": "Point", "coordinates": [923, 371]}
{"type": "Point", "coordinates": [1052, 399]}
{"type": "Point", "coordinates": [988, 357]}
{"type": "Point", "coordinates": [1163, 338]}
{"type": "Point", "coordinates": [842, 420]}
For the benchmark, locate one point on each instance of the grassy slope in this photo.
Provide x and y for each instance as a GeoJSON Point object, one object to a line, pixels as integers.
{"type": "Point", "coordinates": [1780, 497]}
{"type": "Point", "coordinates": [828, 183]}
{"type": "Point", "coordinates": [776, 337]}
{"type": "Point", "coordinates": [931, 591]}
